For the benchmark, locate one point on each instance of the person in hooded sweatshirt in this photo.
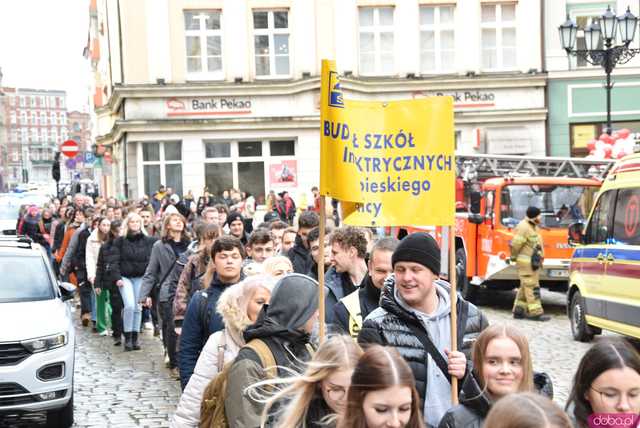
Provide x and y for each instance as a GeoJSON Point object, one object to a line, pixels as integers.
{"type": "Point", "coordinates": [415, 306]}
{"type": "Point", "coordinates": [299, 254]}
{"type": "Point", "coordinates": [285, 327]}
{"type": "Point", "coordinates": [502, 364]}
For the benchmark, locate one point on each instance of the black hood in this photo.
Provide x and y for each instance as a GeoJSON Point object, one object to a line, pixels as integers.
{"type": "Point", "coordinates": [293, 302]}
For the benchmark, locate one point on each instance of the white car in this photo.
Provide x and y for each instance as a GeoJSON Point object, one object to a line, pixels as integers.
{"type": "Point", "coordinates": [37, 336]}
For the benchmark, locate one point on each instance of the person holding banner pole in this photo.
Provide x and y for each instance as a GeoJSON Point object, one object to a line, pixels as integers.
{"type": "Point", "coordinates": [415, 317]}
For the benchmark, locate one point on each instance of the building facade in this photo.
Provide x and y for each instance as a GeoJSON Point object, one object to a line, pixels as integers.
{"type": "Point", "coordinates": [35, 125]}
{"type": "Point", "coordinates": [576, 94]}
{"type": "Point", "coordinates": [225, 93]}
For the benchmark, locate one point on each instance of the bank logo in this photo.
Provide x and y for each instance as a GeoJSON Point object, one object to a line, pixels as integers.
{"type": "Point", "coordinates": [335, 90]}
{"type": "Point", "coordinates": [614, 420]}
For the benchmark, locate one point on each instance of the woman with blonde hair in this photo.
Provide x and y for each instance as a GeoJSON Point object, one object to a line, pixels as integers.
{"type": "Point", "coordinates": [277, 266]}
{"type": "Point", "coordinates": [132, 253]}
{"type": "Point", "coordinates": [527, 410]}
{"type": "Point", "coordinates": [382, 392]}
{"type": "Point", "coordinates": [502, 366]}
{"type": "Point", "coordinates": [239, 306]}
{"type": "Point", "coordinates": [318, 396]}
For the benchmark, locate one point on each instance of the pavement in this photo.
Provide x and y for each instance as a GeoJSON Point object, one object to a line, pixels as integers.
{"type": "Point", "coordinates": [114, 388]}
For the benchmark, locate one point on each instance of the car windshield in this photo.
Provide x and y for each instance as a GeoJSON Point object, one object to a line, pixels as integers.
{"type": "Point", "coordinates": [24, 279]}
{"type": "Point", "coordinates": [9, 211]}
{"type": "Point", "coordinates": [560, 206]}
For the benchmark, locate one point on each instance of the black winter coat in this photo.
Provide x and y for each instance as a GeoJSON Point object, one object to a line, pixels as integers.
{"type": "Point", "coordinates": [79, 261]}
{"type": "Point", "coordinates": [475, 403]}
{"type": "Point", "coordinates": [134, 252]}
{"type": "Point", "coordinates": [107, 267]}
{"type": "Point", "coordinates": [300, 257]}
{"type": "Point", "coordinates": [390, 327]}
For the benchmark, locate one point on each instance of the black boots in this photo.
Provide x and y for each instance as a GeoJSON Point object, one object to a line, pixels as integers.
{"type": "Point", "coordinates": [134, 341]}
{"type": "Point", "coordinates": [117, 339]}
{"type": "Point", "coordinates": [128, 341]}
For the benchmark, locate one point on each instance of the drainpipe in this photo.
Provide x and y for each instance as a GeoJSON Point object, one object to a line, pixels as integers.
{"type": "Point", "coordinates": [543, 64]}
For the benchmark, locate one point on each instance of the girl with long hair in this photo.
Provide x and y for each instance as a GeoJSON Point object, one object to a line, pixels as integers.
{"type": "Point", "coordinates": [239, 306]}
{"type": "Point", "coordinates": [98, 237]}
{"type": "Point", "coordinates": [134, 253]}
{"type": "Point", "coordinates": [526, 410]}
{"type": "Point", "coordinates": [105, 280]}
{"type": "Point", "coordinates": [607, 381]}
{"type": "Point", "coordinates": [318, 396]}
{"type": "Point", "coordinates": [382, 393]}
{"type": "Point", "coordinates": [503, 366]}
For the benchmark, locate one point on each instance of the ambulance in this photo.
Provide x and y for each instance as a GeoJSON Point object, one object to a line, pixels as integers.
{"type": "Point", "coordinates": [604, 275]}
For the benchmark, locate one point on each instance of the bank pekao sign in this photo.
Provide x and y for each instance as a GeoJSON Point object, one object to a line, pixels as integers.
{"type": "Point", "coordinates": [210, 106]}
{"type": "Point", "coordinates": [464, 99]}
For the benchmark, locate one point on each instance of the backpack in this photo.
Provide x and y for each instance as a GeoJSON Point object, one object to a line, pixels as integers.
{"type": "Point", "coordinates": [212, 413]}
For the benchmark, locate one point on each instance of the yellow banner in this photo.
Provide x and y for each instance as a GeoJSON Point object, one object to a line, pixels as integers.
{"type": "Point", "coordinates": [390, 163]}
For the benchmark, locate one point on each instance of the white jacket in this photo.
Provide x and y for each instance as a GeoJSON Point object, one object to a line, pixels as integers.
{"type": "Point", "coordinates": [91, 253]}
{"type": "Point", "coordinates": [188, 412]}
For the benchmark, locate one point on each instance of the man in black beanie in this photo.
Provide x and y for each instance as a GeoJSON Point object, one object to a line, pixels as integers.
{"type": "Point", "coordinates": [527, 253]}
{"type": "Point", "coordinates": [415, 318]}
{"type": "Point", "coordinates": [236, 227]}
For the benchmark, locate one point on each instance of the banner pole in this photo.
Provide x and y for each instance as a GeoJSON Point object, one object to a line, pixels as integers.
{"type": "Point", "coordinates": [323, 222]}
{"type": "Point", "coordinates": [454, 305]}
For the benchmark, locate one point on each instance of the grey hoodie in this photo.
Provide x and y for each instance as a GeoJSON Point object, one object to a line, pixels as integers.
{"type": "Point", "coordinates": [438, 325]}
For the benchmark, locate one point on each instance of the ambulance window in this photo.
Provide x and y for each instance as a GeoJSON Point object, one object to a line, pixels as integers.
{"type": "Point", "coordinates": [626, 229]}
{"type": "Point", "coordinates": [599, 226]}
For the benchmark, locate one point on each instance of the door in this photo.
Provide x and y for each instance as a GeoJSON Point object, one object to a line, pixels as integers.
{"type": "Point", "coordinates": [621, 288]}
{"type": "Point", "coordinates": [591, 258]}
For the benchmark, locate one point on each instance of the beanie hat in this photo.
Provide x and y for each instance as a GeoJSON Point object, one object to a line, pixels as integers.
{"type": "Point", "coordinates": [175, 198]}
{"type": "Point", "coordinates": [533, 212]}
{"type": "Point", "coordinates": [419, 248]}
{"type": "Point", "coordinates": [233, 216]}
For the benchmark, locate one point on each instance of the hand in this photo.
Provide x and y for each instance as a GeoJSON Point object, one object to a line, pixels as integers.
{"type": "Point", "coordinates": [91, 280]}
{"type": "Point", "coordinates": [457, 363]}
{"type": "Point", "coordinates": [178, 330]}
{"type": "Point", "coordinates": [120, 283]}
{"type": "Point", "coordinates": [146, 302]}
{"type": "Point", "coordinates": [98, 291]}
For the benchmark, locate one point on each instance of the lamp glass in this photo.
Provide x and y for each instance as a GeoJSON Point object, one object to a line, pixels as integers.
{"type": "Point", "coordinates": [609, 24]}
{"type": "Point", "coordinates": [568, 31]}
{"type": "Point", "coordinates": [627, 24]}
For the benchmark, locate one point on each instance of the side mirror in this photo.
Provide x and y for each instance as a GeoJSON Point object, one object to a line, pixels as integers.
{"type": "Point", "coordinates": [475, 198]}
{"type": "Point", "coordinates": [575, 234]}
{"type": "Point", "coordinates": [475, 218]}
{"type": "Point", "coordinates": [67, 290]}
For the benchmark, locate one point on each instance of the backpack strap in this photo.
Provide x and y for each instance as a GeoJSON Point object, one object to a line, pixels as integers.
{"type": "Point", "coordinates": [204, 312]}
{"type": "Point", "coordinates": [266, 357]}
{"type": "Point", "coordinates": [430, 348]}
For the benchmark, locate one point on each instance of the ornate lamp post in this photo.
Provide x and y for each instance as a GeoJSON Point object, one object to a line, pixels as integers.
{"type": "Point", "coordinates": [599, 43]}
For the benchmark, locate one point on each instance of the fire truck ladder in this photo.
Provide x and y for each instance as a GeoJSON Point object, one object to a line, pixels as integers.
{"type": "Point", "coordinates": [474, 167]}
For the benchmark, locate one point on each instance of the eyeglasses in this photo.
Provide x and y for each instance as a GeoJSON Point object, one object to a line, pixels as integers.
{"type": "Point", "coordinates": [613, 398]}
{"type": "Point", "coordinates": [336, 393]}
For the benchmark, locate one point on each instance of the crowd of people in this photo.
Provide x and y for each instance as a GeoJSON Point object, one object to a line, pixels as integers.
{"type": "Point", "coordinates": [235, 301]}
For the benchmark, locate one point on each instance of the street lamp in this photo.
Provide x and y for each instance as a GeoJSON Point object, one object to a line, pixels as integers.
{"type": "Point", "coordinates": [599, 42]}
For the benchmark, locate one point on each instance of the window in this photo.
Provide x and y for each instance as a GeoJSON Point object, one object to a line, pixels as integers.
{"type": "Point", "coordinates": [33, 101]}
{"type": "Point", "coordinates": [23, 101]}
{"type": "Point", "coordinates": [271, 42]}
{"type": "Point", "coordinates": [63, 119]}
{"type": "Point", "coordinates": [45, 135]}
{"type": "Point", "coordinates": [626, 227]}
{"type": "Point", "coordinates": [437, 45]}
{"type": "Point", "coordinates": [600, 222]}
{"type": "Point", "coordinates": [23, 117]}
{"type": "Point", "coordinates": [243, 164]}
{"type": "Point", "coordinates": [204, 42]}
{"type": "Point", "coordinates": [498, 23]}
{"type": "Point", "coordinates": [376, 40]}
{"type": "Point", "coordinates": [43, 118]}
{"type": "Point", "coordinates": [13, 117]}
{"type": "Point", "coordinates": [162, 164]}
{"type": "Point", "coordinates": [23, 133]}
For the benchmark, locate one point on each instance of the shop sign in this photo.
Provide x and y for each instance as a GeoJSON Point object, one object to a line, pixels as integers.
{"type": "Point", "coordinates": [209, 106]}
{"type": "Point", "coordinates": [283, 174]}
{"type": "Point", "coordinates": [465, 99]}
{"type": "Point", "coordinates": [582, 134]}
{"type": "Point", "coordinates": [509, 141]}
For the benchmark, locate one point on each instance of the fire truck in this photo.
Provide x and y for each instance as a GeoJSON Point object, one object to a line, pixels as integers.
{"type": "Point", "coordinates": [492, 197]}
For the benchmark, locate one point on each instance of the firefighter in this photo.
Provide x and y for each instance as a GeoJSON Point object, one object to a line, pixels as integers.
{"type": "Point", "coordinates": [527, 253]}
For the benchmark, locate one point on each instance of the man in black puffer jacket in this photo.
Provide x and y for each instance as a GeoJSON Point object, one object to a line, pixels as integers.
{"type": "Point", "coordinates": [415, 304]}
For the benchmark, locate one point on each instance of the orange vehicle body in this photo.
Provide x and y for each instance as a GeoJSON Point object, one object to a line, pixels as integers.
{"type": "Point", "coordinates": [483, 234]}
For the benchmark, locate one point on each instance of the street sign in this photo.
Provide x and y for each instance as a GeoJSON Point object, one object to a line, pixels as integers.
{"type": "Point", "coordinates": [70, 148]}
{"type": "Point", "coordinates": [70, 164]}
{"type": "Point", "coordinates": [89, 158]}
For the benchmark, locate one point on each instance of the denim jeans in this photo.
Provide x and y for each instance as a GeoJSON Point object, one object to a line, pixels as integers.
{"type": "Point", "coordinates": [132, 313]}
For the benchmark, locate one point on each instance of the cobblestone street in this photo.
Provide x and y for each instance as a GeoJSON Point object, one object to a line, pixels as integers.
{"type": "Point", "coordinates": [118, 389]}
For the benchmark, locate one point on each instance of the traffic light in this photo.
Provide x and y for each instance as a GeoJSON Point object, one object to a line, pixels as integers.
{"type": "Point", "coordinates": [55, 168]}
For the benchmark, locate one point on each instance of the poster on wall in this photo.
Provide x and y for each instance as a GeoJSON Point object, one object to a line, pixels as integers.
{"type": "Point", "coordinates": [283, 174]}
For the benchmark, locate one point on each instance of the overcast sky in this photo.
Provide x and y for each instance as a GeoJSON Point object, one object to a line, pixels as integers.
{"type": "Point", "coordinates": [41, 43]}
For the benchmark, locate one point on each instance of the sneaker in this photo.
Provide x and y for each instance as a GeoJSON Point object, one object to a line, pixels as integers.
{"type": "Point", "coordinates": [156, 331]}
{"type": "Point", "coordinates": [104, 333]}
{"type": "Point", "coordinates": [175, 373]}
{"type": "Point", "coordinates": [541, 317]}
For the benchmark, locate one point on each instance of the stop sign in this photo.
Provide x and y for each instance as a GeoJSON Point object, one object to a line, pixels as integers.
{"type": "Point", "coordinates": [70, 148]}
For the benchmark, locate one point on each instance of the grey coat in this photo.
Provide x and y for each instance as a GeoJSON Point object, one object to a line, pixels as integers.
{"type": "Point", "coordinates": [162, 260]}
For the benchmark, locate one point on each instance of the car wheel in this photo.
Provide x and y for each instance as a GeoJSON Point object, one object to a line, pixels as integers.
{"type": "Point", "coordinates": [579, 327]}
{"type": "Point", "coordinates": [61, 418]}
{"type": "Point", "coordinates": [467, 290]}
